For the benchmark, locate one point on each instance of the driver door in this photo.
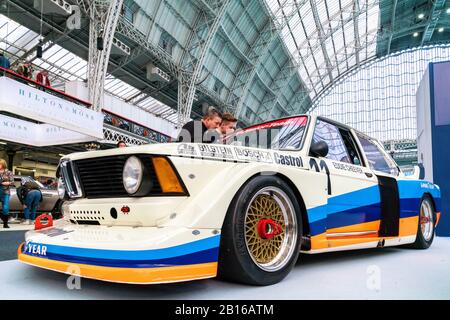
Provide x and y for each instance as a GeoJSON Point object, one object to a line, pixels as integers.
{"type": "Point", "coordinates": [386, 171]}
{"type": "Point", "coordinates": [353, 198]}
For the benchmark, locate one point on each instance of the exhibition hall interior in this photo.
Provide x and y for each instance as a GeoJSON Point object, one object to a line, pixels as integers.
{"type": "Point", "coordinates": [225, 149]}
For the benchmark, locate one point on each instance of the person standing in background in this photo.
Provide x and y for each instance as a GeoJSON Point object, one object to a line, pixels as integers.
{"type": "Point", "coordinates": [121, 144]}
{"type": "Point", "coordinates": [42, 78]}
{"type": "Point", "coordinates": [4, 61]}
{"type": "Point", "coordinates": [204, 130]}
{"type": "Point", "coordinates": [6, 181]}
{"type": "Point", "coordinates": [228, 125]}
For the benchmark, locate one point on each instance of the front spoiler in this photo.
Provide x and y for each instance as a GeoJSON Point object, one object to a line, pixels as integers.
{"type": "Point", "coordinates": [146, 260]}
{"type": "Point", "coordinates": [124, 275]}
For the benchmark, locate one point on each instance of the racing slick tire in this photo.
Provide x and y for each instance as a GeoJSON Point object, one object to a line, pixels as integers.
{"type": "Point", "coordinates": [261, 234]}
{"type": "Point", "coordinates": [427, 224]}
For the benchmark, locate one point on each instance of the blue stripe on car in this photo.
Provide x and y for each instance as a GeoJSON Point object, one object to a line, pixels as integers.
{"type": "Point", "coordinates": [134, 255]}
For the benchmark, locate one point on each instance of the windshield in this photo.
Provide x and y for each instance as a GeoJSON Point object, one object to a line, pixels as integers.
{"type": "Point", "coordinates": [279, 134]}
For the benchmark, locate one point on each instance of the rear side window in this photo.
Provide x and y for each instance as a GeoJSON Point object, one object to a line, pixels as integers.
{"type": "Point", "coordinates": [377, 160]}
{"type": "Point", "coordinates": [329, 133]}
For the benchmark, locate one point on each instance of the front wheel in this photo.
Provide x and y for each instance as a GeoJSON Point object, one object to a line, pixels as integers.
{"type": "Point", "coordinates": [427, 224]}
{"type": "Point", "coordinates": [57, 210]}
{"type": "Point", "coordinates": [261, 234]}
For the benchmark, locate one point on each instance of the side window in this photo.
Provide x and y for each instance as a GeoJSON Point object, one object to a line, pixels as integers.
{"type": "Point", "coordinates": [352, 149]}
{"type": "Point", "coordinates": [329, 133]}
{"type": "Point", "coordinates": [377, 160]}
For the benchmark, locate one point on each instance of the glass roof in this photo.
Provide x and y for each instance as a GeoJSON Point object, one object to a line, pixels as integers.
{"type": "Point", "coordinates": [16, 40]}
{"type": "Point", "coordinates": [327, 38]}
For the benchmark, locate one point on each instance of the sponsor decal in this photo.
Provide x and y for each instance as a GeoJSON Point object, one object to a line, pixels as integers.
{"type": "Point", "coordinates": [347, 167]}
{"type": "Point", "coordinates": [54, 232]}
{"type": "Point", "coordinates": [427, 185]}
{"type": "Point", "coordinates": [38, 249]}
{"type": "Point", "coordinates": [253, 155]}
{"type": "Point", "coordinates": [318, 168]}
{"type": "Point", "coordinates": [187, 149]}
{"type": "Point", "coordinates": [288, 160]}
{"type": "Point", "coordinates": [216, 151]}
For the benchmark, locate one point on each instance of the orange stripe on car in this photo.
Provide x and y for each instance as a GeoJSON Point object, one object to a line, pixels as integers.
{"type": "Point", "coordinates": [126, 275]}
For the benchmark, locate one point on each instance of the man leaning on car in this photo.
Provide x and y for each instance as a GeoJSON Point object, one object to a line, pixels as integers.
{"type": "Point", "coordinates": [202, 131]}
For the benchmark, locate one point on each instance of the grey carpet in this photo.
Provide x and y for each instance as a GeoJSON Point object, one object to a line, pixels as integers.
{"type": "Point", "coordinates": [9, 242]}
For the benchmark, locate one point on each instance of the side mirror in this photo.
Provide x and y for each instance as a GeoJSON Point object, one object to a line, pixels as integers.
{"type": "Point", "coordinates": [319, 149]}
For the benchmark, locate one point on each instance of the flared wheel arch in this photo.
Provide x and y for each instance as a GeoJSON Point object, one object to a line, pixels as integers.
{"type": "Point", "coordinates": [300, 201]}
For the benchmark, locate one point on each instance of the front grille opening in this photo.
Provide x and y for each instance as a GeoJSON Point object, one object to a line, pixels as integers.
{"type": "Point", "coordinates": [92, 223]}
{"type": "Point", "coordinates": [102, 177]}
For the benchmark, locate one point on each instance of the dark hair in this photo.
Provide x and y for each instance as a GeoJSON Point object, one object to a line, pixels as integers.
{"type": "Point", "coordinates": [228, 117]}
{"type": "Point", "coordinates": [119, 142]}
{"type": "Point", "coordinates": [211, 113]}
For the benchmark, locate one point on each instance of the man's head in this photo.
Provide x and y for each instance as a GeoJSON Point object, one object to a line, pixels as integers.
{"type": "Point", "coordinates": [45, 72]}
{"type": "Point", "coordinates": [228, 123]}
{"type": "Point", "coordinates": [121, 144]}
{"type": "Point", "coordinates": [212, 119]}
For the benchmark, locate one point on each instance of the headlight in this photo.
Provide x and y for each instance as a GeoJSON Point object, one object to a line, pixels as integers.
{"type": "Point", "coordinates": [133, 172]}
{"type": "Point", "coordinates": [61, 189]}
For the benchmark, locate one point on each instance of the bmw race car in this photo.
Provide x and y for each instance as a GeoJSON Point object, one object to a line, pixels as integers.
{"type": "Point", "coordinates": [242, 210]}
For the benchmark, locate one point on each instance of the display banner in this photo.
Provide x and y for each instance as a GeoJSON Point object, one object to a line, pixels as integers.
{"type": "Point", "coordinates": [39, 135]}
{"type": "Point", "coordinates": [32, 103]}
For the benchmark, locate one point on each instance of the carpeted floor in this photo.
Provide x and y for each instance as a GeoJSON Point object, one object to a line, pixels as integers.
{"type": "Point", "coordinates": [9, 242]}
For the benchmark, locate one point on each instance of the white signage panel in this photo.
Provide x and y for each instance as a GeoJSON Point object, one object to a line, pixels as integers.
{"type": "Point", "coordinates": [29, 102]}
{"type": "Point", "coordinates": [38, 135]}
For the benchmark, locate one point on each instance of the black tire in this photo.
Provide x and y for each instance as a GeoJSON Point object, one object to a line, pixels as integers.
{"type": "Point", "coordinates": [57, 210]}
{"type": "Point", "coordinates": [236, 263]}
{"type": "Point", "coordinates": [422, 241]}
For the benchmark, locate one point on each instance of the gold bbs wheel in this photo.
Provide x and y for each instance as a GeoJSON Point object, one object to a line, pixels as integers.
{"type": "Point", "coordinates": [270, 229]}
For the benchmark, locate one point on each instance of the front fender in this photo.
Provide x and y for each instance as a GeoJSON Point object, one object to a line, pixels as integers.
{"type": "Point", "coordinates": [213, 184]}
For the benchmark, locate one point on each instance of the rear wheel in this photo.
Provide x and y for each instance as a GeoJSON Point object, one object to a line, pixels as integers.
{"type": "Point", "coordinates": [427, 223]}
{"type": "Point", "coordinates": [261, 233]}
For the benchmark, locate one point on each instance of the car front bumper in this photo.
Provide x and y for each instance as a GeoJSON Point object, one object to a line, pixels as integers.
{"type": "Point", "coordinates": [124, 254]}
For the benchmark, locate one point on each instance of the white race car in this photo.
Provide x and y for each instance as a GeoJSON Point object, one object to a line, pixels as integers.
{"type": "Point", "coordinates": [242, 210]}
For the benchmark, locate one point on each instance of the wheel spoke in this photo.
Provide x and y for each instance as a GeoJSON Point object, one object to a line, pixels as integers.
{"type": "Point", "coordinates": [268, 212]}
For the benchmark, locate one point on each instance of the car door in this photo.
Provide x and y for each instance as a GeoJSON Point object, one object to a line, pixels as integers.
{"type": "Point", "coordinates": [353, 197]}
{"type": "Point", "coordinates": [14, 203]}
{"type": "Point", "coordinates": [386, 171]}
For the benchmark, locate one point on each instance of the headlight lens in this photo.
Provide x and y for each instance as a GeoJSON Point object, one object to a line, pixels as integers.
{"type": "Point", "coordinates": [133, 172]}
{"type": "Point", "coordinates": [61, 189]}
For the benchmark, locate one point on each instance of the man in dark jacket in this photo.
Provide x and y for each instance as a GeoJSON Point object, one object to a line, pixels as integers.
{"type": "Point", "coordinates": [204, 130]}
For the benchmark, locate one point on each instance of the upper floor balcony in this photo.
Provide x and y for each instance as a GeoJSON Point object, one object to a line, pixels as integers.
{"type": "Point", "coordinates": [40, 115]}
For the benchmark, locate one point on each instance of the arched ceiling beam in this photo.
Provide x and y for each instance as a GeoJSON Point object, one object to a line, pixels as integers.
{"type": "Point", "coordinates": [322, 38]}
{"type": "Point", "coordinates": [433, 18]}
{"type": "Point", "coordinates": [187, 84]}
{"type": "Point", "coordinates": [258, 50]}
{"type": "Point", "coordinates": [394, 9]}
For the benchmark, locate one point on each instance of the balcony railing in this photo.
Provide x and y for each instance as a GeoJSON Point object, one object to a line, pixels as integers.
{"type": "Point", "coordinates": [121, 123]}
{"type": "Point", "coordinates": [33, 83]}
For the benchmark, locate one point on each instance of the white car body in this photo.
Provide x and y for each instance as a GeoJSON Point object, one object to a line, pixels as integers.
{"type": "Point", "coordinates": [161, 239]}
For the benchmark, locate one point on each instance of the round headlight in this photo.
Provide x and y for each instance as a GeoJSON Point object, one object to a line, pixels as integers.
{"type": "Point", "coordinates": [61, 189]}
{"type": "Point", "coordinates": [133, 172]}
